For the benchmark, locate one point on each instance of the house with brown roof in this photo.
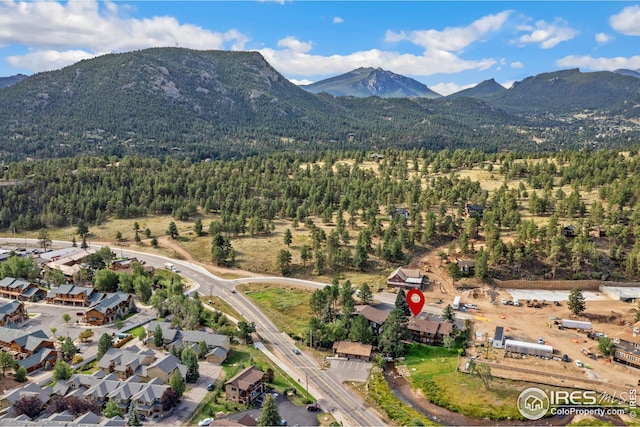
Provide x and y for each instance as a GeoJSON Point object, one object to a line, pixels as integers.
{"type": "Point", "coordinates": [32, 350]}
{"type": "Point", "coordinates": [352, 350]}
{"type": "Point", "coordinates": [77, 296]}
{"type": "Point", "coordinates": [429, 331]}
{"type": "Point", "coordinates": [12, 312]}
{"type": "Point", "coordinates": [109, 309]}
{"type": "Point", "coordinates": [406, 278]}
{"type": "Point", "coordinates": [246, 386]}
{"type": "Point", "coordinates": [376, 317]}
{"type": "Point", "coordinates": [20, 289]}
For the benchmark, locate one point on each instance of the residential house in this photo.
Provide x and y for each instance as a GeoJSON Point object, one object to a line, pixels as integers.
{"type": "Point", "coordinates": [474, 211]}
{"type": "Point", "coordinates": [10, 397]}
{"type": "Point", "coordinates": [407, 279]}
{"type": "Point", "coordinates": [127, 361]}
{"type": "Point", "coordinates": [124, 265]}
{"type": "Point", "coordinates": [627, 349]}
{"type": "Point", "coordinates": [569, 231]}
{"type": "Point", "coordinates": [145, 395]}
{"type": "Point", "coordinates": [169, 333]}
{"type": "Point", "coordinates": [32, 350]}
{"type": "Point", "coordinates": [77, 296]}
{"type": "Point", "coordinates": [429, 331]}
{"type": "Point", "coordinates": [109, 309]}
{"type": "Point", "coordinates": [352, 350]}
{"type": "Point", "coordinates": [246, 386]}
{"type": "Point", "coordinates": [12, 312]}
{"type": "Point", "coordinates": [467, 266]}
{"type": "Point", "coordinates": [67, 260]}
{"type": "Point", "coordinates": [218, 345]}
{"type": "Point", "coordinates": [401, 212]}
{"type": "Point", "coordinates": [162, 368]}
{"type": "Point", "coordinates": [20, 289]}
{"type": "Point", "coordinates": [376, 317]}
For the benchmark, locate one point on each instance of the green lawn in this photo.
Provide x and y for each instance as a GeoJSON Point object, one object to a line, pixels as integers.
{"type": "Point", "coordinates": [286, 305]}
{"type": "Point", "coordinates": [397, 411]}
{"type": "Point", "coordinates": [433, 370]}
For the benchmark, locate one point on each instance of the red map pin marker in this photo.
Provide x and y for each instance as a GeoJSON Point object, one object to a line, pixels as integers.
{"type": "Point", "coordinates": [415, 299]}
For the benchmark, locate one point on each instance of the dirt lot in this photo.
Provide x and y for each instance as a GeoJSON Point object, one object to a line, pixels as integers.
{"type": "Point", "coordinates": [527, 324]}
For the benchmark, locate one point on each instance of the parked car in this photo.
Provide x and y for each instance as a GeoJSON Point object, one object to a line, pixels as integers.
{"type": "Point", "coordinates": [565, 358]}
{"type": "Point", "coordinates": [210, 387]}
{"type": "Point", "coordinates": [579, 364]}
{"type": "Point", "coordinates": [314, 407]}
{"type": "Point", "coordinates": [283, 422]}
{"type": "Point", "coordinates": [205, 422]}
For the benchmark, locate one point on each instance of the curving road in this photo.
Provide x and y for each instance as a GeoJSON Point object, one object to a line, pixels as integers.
{"type": "Point", "coordinates": [345, 405]}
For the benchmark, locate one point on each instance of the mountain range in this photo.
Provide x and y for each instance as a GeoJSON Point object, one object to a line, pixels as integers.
{"type": "Point", "coordinates": [220, 104]}
{"type": "Point", "coordinates": [365, 82]}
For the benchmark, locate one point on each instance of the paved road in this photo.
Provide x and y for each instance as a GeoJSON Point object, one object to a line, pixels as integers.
{"type": "Point", "coordinates": [345, 405]}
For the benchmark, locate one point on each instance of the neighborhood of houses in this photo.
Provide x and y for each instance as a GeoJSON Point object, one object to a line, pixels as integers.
{"type": "Point", "coordinates": [139, 376]}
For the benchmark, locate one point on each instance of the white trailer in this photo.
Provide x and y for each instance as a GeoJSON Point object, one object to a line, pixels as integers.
{"type": "Point", "coordinates": [456, 303]}
{"type": "Point", "coordinates": [576, 324]}
{"type": "Point", "coordinates": [523, 347]}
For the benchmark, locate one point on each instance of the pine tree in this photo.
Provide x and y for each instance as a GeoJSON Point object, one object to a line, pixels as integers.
{"type": "Point", "coordinates": [448, 314]}
{"type": "Point", "coordinates": [576, 302]}
{"type": "Point", "coordinates": [402, 303]}
{"type": "Point", "coordinates": [269, 415]}
{"type": "Point", "coordinates": [133, 416]}
{"type": "Point", "coordinates": [395, 330]}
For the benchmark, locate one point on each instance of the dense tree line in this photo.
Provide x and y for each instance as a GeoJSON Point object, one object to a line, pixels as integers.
{"type": "Point", "coordinates": [360, 199]}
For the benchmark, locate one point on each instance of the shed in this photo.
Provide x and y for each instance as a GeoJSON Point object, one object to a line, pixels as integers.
{"type": "Point", "coordinates": [498, 337]}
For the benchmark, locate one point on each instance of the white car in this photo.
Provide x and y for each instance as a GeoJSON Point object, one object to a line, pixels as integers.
{"type": "Point", "coordinates": [579, 364]}
{"type": "Point", "coordinates": [206, 422]}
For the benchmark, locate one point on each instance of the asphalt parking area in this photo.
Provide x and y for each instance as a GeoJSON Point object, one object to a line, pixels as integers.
{"type": "Point", "coordinates": [294, 415]}
{"type": "Point", "coordinates": [350, 370]}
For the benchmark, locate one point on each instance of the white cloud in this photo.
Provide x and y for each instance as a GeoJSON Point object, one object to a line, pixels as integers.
{"type": "Point", "coordinates": [603, 38]}
{"type": "Point", "coordinates": [451, 39]}
{"type": "Point", "coordinates": [547, 35]}
{"type": "Point", "coordinates": [600, 64]}
{"type": "Point", "coordinates": [292, 44]}
{"type": "Point", "coordinates": [445, 89]}
{"type": "Point", "coordinates": [517, 64]}
{"type": "Point", "coordinates": [304, 64]}
{"type": "Point", "coordinates": [438, 57]}
{"type": "Point", "coordinates": [50, 26]}
{"type": "Point", "coordinates": [48, 60]}
{"type": "Point", "coordinates": [338, 20]}
{"type": "Point", "coordinates": [627, 22]}
{"type": "Point", "coordinates": [301, 82]}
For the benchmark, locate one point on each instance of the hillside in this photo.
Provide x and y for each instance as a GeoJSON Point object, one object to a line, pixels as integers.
{"type": "Point", "coordinates": [566, 92]}
{"type": "Point", "coordinates": [8, 81]}
{"type": "Point", "coordinates": [365, 82]}
{"type": "Point", "coordinates": [221, 105]}
{"type": "Point", "coordinates": [484, 90]}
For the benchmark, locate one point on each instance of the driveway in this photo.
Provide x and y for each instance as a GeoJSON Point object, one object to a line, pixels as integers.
{"type": "Point", "coordinates": [294, 415]}
{"type": "Point", "coordinates": [209, 374]}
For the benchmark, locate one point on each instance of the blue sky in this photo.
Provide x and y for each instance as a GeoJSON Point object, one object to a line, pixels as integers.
{"type": "Point", "coordinates": [447, 45]}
